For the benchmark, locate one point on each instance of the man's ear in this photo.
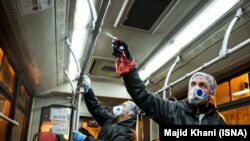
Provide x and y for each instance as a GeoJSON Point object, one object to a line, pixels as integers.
{"type": "Point", "coordinates": [210, 97]}
{"type": "Point", "coordinates": [212, 100]}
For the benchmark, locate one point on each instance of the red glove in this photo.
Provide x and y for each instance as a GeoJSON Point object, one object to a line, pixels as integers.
{"type": "Point", "coordinates": [123, 65]}
{"type": "Point", "coordinates": [124, 62]}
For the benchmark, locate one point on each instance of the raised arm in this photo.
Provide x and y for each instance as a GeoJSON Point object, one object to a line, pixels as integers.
{"type": "Point", "coordinates": [93, 104]}
{"type": "Point", "coordinates": [158, 109]}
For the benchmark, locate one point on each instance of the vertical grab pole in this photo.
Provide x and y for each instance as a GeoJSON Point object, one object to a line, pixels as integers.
{"type": "Point", "coordinates": [139, 126]}
{"type": "Point", "coordinates": [95, 33]}
{"type": "Point", "coordinates": [73, 92]}
{"type": "Point", "coordinates": [79, 97]}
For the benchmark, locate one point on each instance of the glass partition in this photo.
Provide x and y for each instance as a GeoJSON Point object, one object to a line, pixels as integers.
{"type": "Point", "coordinates": [56, 119]}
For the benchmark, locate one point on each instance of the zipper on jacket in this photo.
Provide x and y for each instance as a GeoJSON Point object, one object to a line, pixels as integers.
{"type": "Point", "coordinates": [200, 118]}
{"type": "Point", "coordinates": [111, 135]}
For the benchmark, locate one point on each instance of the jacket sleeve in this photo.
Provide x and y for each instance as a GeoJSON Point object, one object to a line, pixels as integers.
{"type": "Point", "coordinates": [95, 108]}
{"type": "Point", "coordinates": [119, 138]}
{"type": "Point", "coordinates": [125, 135]}
{"type": "Point", "coordinates": [158, 109]}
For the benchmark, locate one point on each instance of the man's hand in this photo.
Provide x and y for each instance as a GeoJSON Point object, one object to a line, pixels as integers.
{"type": "Point", "coordinates": [119, 47]}
{"type": "Point", "coordinates": [77, 136]}
{"type": "Point", "coordinates": [124, 62]}
{"type": "Point", "coordinates": [86, 83]}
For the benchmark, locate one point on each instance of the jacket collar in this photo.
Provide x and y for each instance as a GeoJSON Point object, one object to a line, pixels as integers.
{"type": "Point", "coordinates": [193, 109]}
{"type": "Point", "coordinates": [129, 122]}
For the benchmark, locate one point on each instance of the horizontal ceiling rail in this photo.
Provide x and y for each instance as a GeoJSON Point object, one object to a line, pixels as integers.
{"type": "Point", "coordinates": [223, 53]}
{"type": "Point", "coordinates": [220, 57]}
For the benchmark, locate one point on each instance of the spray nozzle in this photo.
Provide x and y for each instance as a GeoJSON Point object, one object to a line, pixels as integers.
{"type": "Point", "coordinates": [115, 38]}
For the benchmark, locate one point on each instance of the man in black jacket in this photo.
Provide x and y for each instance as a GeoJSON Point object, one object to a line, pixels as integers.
{"type": "Point", "coordinates": [198, 109]}
{"type": "Point", "coordinates": [117, 127]}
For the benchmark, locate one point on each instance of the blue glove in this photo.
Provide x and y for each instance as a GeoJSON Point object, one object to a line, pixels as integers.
{"type": "Point", "coordinates": [77, 136]}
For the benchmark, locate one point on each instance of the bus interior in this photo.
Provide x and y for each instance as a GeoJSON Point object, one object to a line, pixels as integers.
{"type": "Point", "coordinates": [46, 46]}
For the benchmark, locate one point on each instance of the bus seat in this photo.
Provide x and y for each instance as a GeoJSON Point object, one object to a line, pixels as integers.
{"type": "Point", "coordinates": [46, 136]}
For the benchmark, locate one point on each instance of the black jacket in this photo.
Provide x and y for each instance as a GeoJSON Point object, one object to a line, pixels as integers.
{"type": "Point", "coordinates": [111, 129]}
{"type": "Point", "coordinates": [166, 112]}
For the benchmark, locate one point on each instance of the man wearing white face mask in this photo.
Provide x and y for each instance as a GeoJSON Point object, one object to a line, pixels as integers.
{"type": "Point", "coordinates": [119, 126]}
{"type": "Point", "coordinates": [201, 90]}
{"type": "Point", "coordinates": [198, 109]}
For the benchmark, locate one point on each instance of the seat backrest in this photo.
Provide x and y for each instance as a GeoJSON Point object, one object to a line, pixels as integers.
{"type": "Point", "coordinates": [46, 136]}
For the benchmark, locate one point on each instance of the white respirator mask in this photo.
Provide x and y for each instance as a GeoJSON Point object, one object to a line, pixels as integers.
{"type": "Point", "coordinates": [117, 110]}
{"type": "Point", "coordinates": [196, 96]}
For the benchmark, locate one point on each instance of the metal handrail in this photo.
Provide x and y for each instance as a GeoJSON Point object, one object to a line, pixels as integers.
{"type": "Point", "coordinates": [220, 57]}
{"type": "Point", "coordinates": [223, 52]}
{"type": "Point", "coordinates": [230, 27]}
{"type": "Point", "coordinates": [93, 13]}
{"type": "Point", "coordinates": [168, 76]}
{"type": "Point", "coordinates": [8, 119]}
{"type": "Point", "coordinates": [67, 42]}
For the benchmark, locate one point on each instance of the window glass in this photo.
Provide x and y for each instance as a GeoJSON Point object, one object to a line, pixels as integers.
{"type": "Point", "coordinates": [4, 109]}
{"type": "Point", "coordinates": [240, 87]}
{"type": "Point", "coordinates": [7, 75]}
{"type": "Point", "coordinates": [23, 97]}
{"type": "Point", "coordinates": [238, 116]}
{"type": "Point", "coordinates": [56, 119]}
{"type": "Point", "coordinates": [18, 132]}
{"type": "Point", "coordinates": [222, 94]}
{"type": "Point", "coordinates": [90, 125]}
{"type": "Point", "coordinates": [1, 57]}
